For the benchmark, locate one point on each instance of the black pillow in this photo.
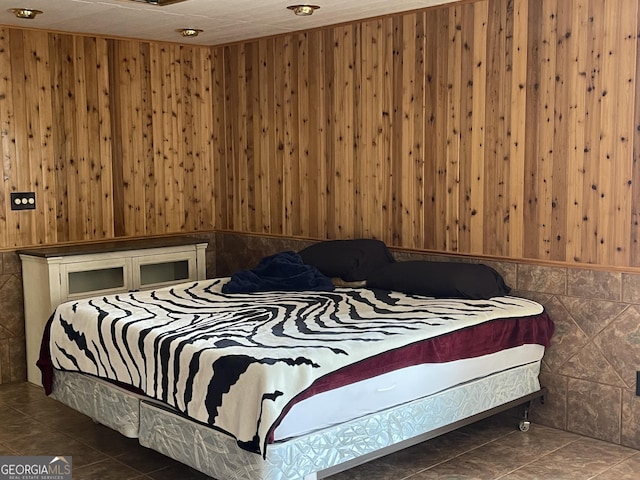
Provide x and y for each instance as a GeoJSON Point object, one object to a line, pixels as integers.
{"type": "Point", "coordinates": [350, 260]}
{"type": "Point", "coordinates": [440, 279]}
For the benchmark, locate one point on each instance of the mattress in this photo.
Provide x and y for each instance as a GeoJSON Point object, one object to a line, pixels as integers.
{"type": "Point", "coordinates": [396, 388]}
{"type": "Point", "coordinates": [207, 354]}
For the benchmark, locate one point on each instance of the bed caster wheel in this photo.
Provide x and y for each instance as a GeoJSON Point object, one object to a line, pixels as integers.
{"type": "Point", "coordinates": [524, 425]}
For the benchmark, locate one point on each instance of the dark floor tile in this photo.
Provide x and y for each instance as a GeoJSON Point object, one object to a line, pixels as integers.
{"type": "Point", "coordinates": [108, 469]}
{"type": "Point", "coordinates": [21, 426]}
{"type": "Point", "coordinates": [57, 443]}
{"type": "Point", "coordinates": [627, 470]}
{"type": "Point", "coordinates": [432, 452]}
{"type": "Point", "coordinates": [6, 451]}
{"type": "Point", "coordinates": [9, 414]}
{"type": "Point", "coordinates": [176, 472]}
{"type": "Point", "coordinates": [584, 458]}
{"type": "Point", "coordinates": [104, 439]}
{"type": "Point", "coordinates": [16, 394]}
{"type": "Point", "coordinates": [146, 460]}
{"type": "Point", "coordinates": [375, 470]}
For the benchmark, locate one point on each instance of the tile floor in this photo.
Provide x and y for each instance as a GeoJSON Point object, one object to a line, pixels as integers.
{"type": "Point", "coordinates": [32, 424]}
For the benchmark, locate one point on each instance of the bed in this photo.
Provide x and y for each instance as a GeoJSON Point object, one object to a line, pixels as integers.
{"type": "Point", "coordinates": [291, 384]}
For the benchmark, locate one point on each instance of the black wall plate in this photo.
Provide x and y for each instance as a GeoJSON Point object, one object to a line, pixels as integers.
{"type": "Point", "coordinates": [23, 200]}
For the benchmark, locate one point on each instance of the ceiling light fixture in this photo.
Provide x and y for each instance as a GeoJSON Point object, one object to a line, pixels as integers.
{"type": "Point", "coordinates": [159, 3]}
{"type": "Point", "coordinates": [189, 32]}
{"type": "Point", "coordinates": [28, 13]}
{"type": "Point", "coordinates": [303, 10]}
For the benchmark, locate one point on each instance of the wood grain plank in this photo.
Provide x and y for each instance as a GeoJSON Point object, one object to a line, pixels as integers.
{"type": "Point", "coordinates": [478, 140]}
{"type": "Point", "coordinates": [7, 136]}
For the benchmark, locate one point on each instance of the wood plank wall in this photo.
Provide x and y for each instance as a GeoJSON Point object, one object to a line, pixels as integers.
{"type": "Point", "coordinates": [496, 127]}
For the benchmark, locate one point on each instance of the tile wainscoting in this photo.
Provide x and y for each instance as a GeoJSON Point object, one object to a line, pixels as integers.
{"type": "Point", "coordinates": [590, 369]}
{"type": "Point", "coordinates": [13, 366]}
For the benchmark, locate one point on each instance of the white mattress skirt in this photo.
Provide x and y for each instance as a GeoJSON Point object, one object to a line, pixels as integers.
{"type": "Point", "coordinates": [395, 388]}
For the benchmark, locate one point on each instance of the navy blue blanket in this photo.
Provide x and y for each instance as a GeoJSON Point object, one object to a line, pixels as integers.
{"type": "Point", "coordinates": [282, 271]}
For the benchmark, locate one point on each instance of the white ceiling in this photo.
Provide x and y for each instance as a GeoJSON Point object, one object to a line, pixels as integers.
{"type": "Point", "coordinates": [223, 21]}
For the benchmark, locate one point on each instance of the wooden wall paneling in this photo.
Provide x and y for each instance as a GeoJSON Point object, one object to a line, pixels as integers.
{"type": "Point", "coordinates": [406, 161]}
{"type": "Point", "coordinates": [607, 161]}
{"type": "Point", "coordinates": [591, 211]}
{"type": "Point", "coordinates": [115, 109]}
{"type": "Point", "coordinates": [279, 207]}
{"type": "Point", "coordinates": [626, 30]}
{"type": "Point", "coordinates": [577, 66]}
{"type": "Point", "coordinates": [343, 123]}
{"type": "Point", "coordinates": [248, 159]}
{"type": "Point", "coordinates": [103, 168]}
{"type": "Point", "coordinates": [197, 101]}
{"type": "Point", "coordinates": [441, 48]}
{"type": "Point", "coordinates": [499, 71]}
{"type": "Point", "coordinates": [330, 131]}
{"type": "Point", "coordinates": [370, 100]}
{"type": "Point", "coordinates": [188, 145]}
{"type": "Point", "coordinates": [163, 144]}
{"type": "Point", "coordinates": [385, 129]}
{"type": "Point", "coordinates": [418, 118]}
{"type": "Point", "coordinates": [360, 163]}
{"type": "Point", "coordinates": [396, 134]}
{"type": "Point", "coordinates": [532, 148]}
{"type": "Point", "coordinates": [466, 156]}
{"type": "Point", "coordinates": [177, 151]}
{"type": "Point", "coordinates": [366, 168]}
{"type": "Point", "coordinates": [29, 165]}
{"type": "Point", "coordinates": [409, 163]}
{"type": "Point", "coordinates": [20, 226]}
{"type": "Point", "coordinates": [205, 111]}
{"type": "Point", "coordinates": [131, 131]}
{"type": "Point", "coordinates": [287, 143]}
{"type": "Point", "coordinates": [157, 187]}
{"type": "Point", "coordinates": [263, 124]}
{"type": "Point", "coordinates": [478, 117]}
{"type": "Point", "coordinates": [615, 157]}
{"type": "Point", "coordinates": [293, 170]}
{"type": "Point", "coordinates": [44, 171]}
{"type": "Point", "coordinates": [432, 156]}
{"type": "Point", "coordinates": [238, 137]}
{"type": "Point", "coordinates": [317, 149]}
{"type": "Point", "coordinates": [516, 148]}
{"type": "Point", "coordinates": [305, 206]}
{"type": "Point", "coordinates": [546, 120]}
{"type": "Point", "coordinates": [84, 138]}
{"type": "Point", "coordinates": [635, 187]}
{"type": "Point", "coordinates": [148, 176]}
{"type": "Point", "coordinates": [7, 135]}
{"type": "Point", "coordinates": [562, 159]}
{"type": "Point", "coordinates": [453, 121]}
{"type": "Point", "coordinates": [219, 158]}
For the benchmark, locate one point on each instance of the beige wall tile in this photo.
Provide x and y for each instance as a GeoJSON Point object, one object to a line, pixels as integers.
{"type": "Point", "coordinates": [542, 279]}
{"type": "Point", "coordinates": [594, 410]}
{"type": "Point", "coordinates": [594, 284]}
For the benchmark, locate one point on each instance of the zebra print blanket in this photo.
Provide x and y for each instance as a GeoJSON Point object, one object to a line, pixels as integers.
{"type": "Point", "coordinates": [235, 361]}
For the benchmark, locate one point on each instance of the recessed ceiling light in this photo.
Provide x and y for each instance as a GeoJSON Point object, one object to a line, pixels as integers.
{"type": "Point", "coordinates": [189, 32]}
{"type": "Point", "coordinates": [159, 3]}
{"type": "Point", "coordinates": [28, 13]}
{"type": "Point", "coordinates": [303, 10]}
